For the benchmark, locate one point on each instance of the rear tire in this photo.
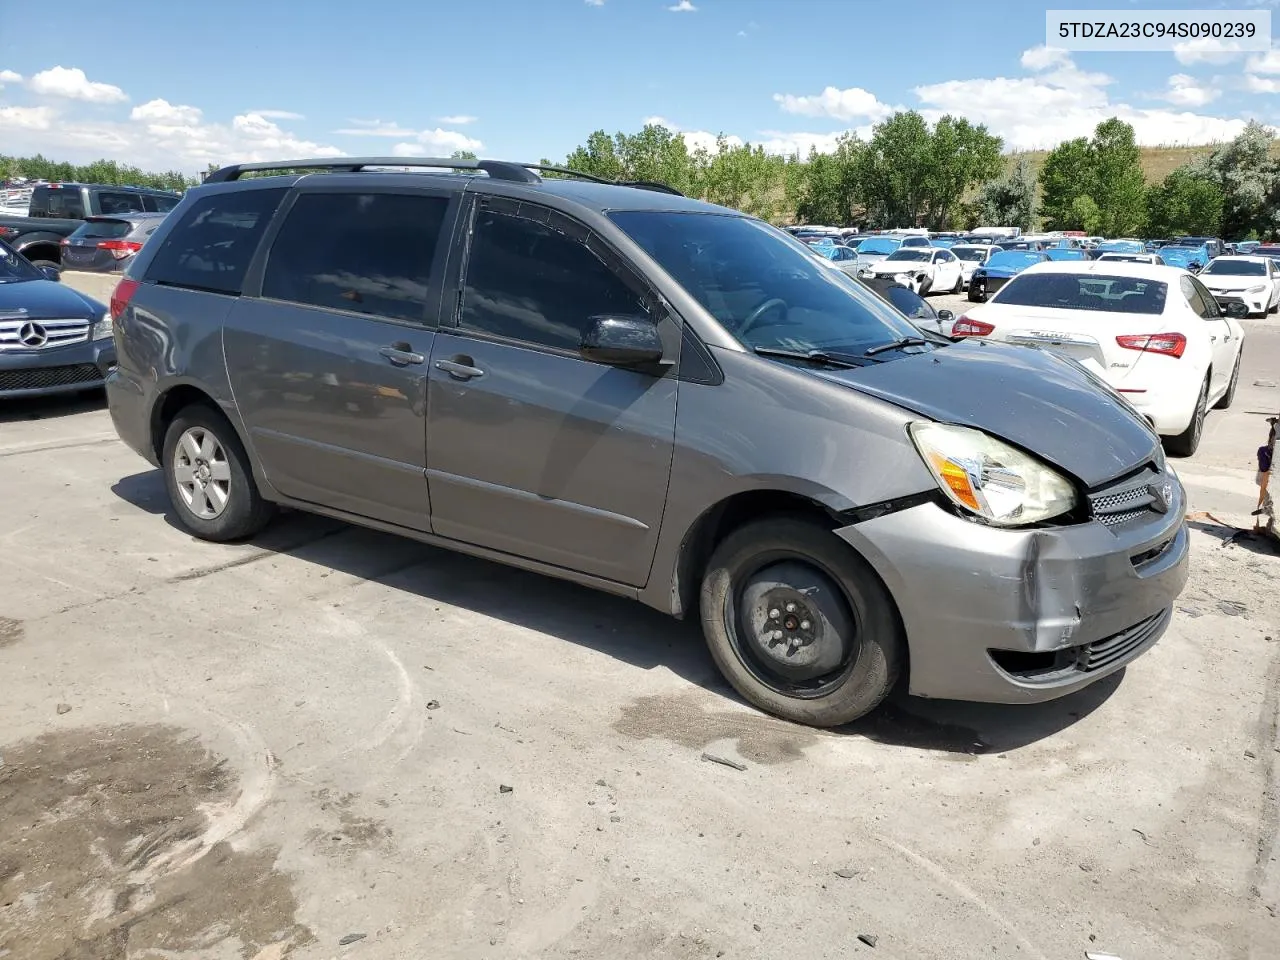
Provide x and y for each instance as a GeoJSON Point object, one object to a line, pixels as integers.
{"type": "Point", "coordinates": [846, 633]}
{"type": "Point", "coordinates": [46, 263]}
{"type": "Point", "coordinates": [210, 479]}
{"type": "Point", "coordinates": [1187, 442]}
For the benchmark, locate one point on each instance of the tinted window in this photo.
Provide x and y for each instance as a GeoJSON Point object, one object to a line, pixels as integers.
{"type": "Point", "coordinates": [102, 229]}
{"type": "Point", "coordinates": [363, 252]}
{"type": "Point", "coordinates": [975, 254]}
{"type": "Point", "coordinates": [539, 278]}
{"type": "Point", "coordinates": [910, 303]}
{"type": "Point", "coordinates": [211, 246]}
{"type": "Point", "coordinates": [57, 202]}
{"type": "Point", "coordinates": [1067, 291]}
{"type": "Point", "coordinates": [155, 204]}
{"type": "Point", "coordinates": [111, 202]}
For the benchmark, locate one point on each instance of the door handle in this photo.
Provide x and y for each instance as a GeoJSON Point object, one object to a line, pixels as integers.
{"type": "Point", "coordinates": [401, 354]}
{"type": "Point", "coordinates": [460, 368]}
{"type": "Point", "coordinates": [1213, 337]}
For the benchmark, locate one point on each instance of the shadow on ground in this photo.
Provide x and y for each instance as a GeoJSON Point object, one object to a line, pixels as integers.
{"type": "Point", "coordinates": [50, 408]}
{"type": "Point", "coordinates": [618, 627]}
{"type": "Point", "coordinates": [1236, 537]}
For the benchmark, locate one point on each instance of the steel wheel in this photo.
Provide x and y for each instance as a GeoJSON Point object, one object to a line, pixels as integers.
{"type": "Point", "coordinates": [202, 473]}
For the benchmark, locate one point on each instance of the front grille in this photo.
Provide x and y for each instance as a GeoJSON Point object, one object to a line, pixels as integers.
{"type": "Point", "coordinates": [1111, 650]}
{"type": "Point", "coordinates": [42, 378]}
{"type": "Point", "coordinates": [1127, 503]}
{"type": "Point", "coordinates": [23, 334]}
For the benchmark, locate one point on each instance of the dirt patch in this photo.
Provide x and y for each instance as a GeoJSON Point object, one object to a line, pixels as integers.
{"type": "Point", "coordinates": [102, 854]}
{"type": "Point", "coordinates": [350, 832]}
{"type": "Point", "coordinates": [682, 719]}
{"type": "Point", "coordinates": [11, 631]}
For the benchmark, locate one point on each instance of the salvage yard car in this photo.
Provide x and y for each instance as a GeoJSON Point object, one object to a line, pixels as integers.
{"type": "Point", "coordinates": [1253, 281]}
{"type": "Point", "coordinates": [1155, 334]}
{"type": "Point", "coordinates": [923, 269]}
{"type": "Point", "coordinates": [1001, 267]}
{"type": "Point", "coordinates": [52, 338]}
{"type": "Point", "coordinates": [491, 363]}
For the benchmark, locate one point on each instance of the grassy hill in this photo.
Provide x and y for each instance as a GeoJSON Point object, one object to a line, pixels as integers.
{"type": "Point", "coordinates": [1157, 162]}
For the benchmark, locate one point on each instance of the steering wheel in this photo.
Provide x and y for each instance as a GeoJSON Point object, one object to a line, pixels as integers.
{"type": "Point", "coordinates": [754, 316]}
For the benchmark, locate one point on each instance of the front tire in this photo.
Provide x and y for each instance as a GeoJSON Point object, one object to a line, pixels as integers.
{"type": "Point", "coordinates": [209, 478]}
{"type": "Point", "coordinates": [1187, 442]}
{"type": "Point", "coordinates": [959, 284]}
{"type": "Point", "coordinates": [799, 623]}
{"type": "Point", "coordinates": [976, 295]}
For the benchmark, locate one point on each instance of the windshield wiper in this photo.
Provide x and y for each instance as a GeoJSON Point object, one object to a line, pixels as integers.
{"type": "Point", "coordinates": [897, 345]}
{"type": "Point", "coordinates": [817, 356]}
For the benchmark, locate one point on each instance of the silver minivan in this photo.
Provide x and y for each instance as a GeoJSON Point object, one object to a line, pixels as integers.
{"type": "Point", "coordinates": [655, 397]}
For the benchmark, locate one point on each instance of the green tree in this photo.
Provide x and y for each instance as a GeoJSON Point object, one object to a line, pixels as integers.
{"type": "Point", "coordinates": [1067, 174]}
{"type": "Point", "coordinates": [1010, 201]}
{"type": "Point", "coordinates": [1249, 180]}
{"type": "Point", "coordinates": [1116, 178]}
{"type": "Point", "coordinates": [1184, 203]}
{"type": "Point", "coordinates": [828, 187]}
{"type": "Point", "coordinates": [958, 156]}
{"type": "Point", "coordinates": [1083, 214]}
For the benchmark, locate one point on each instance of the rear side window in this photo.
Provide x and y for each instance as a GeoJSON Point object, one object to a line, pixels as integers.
{"type": "Point", "coordinates": [211, 246]}
{"type": "Point", "coordinates": [360, 252]}
{"type": "Point", "coordinates": [1066, 291]}
{"type": "Point", "coordinates": [539, 278]}
{"type": "Point", "coordinates": [159, 204]}
{"type": "Point", "coordinates": [57, 203]}
{"type": "Point", "coordinates": [110, 202]}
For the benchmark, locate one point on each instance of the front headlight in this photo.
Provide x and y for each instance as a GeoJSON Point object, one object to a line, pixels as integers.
{"type": "Point", "coordinates": [989, 478]}
{"type": "Point", "coordinates": [1258, 289]}
{"type": "Point", "coordinates": [102, 328]}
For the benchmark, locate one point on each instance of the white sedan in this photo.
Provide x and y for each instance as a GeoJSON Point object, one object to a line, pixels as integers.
{"type": "Point", "coordinates": [923, 269]}
{"type": "Point", "coordinates": [1153, 333]}
{"type": "Point", "coordinates": [972, 256]}
{"type": "Point", "coordinates": [1253, 281]}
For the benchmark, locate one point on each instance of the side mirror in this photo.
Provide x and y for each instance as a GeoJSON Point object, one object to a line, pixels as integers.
{"type": "Point", "coordinates": [622, 341]}
{"type": "Point", "coordinates": [946, 316]}
{"type": "Point", "coordinates": [1237, 311]}
{"type": "Point", "coordinates": [51, 273]}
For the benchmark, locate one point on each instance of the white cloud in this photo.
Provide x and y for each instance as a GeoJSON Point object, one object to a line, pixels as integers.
{"type": "Point", "coordinates": [853, 103]}
{"type": "Point", "coordinates": [436, 143]}
{"type": "Point", "coordinates": [1061, 103]}
{"type": "Point", "coordinates": [71, 83]}
{"type": "Point", "coordinates": [1261, 84]}
{"type": "Point", "coordinates": [376, 128]}
{"type": "Point", "coordinates": [693, 139]}
{"type": "Point", "coordinates": [26, 118]}
{"type": "Point", "coordinates": [459, 120]}
{"type": "Point", "coordinates": [1268, 62]}
{"type": "Point", "coordinates": [278, 114]}
{"type": "Point", "coordinates": [595, 3]}
{"type": "Point", "coordinates": [9, 76]}
{"type": "Point", "coordinates": [1206, 50]}
{"type": "Point", "coordinates": [1044, 57]}
{"type": "Point", "coordinates": [1186, 91]}
{"type": "Point", "coordinates": [165, 113]}
{"type": "Point", "coordinates": [786, 144]}
{"type": "Point", "coordinates": [684, 6]}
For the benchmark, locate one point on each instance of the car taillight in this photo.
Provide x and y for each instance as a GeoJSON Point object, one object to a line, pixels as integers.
{"type": "Point", "coordinates": [121, 296]}
{"type": "Point", "coordinates": [65, 242]}
{"type": "Point", "coordinates": [968, 327]}
{"type": "Point", "coordinates": [1169, 344]}
{"type": "Point", "coordinates": [120, 248]}
{"type": "Point", "coordinates": [8, 232]}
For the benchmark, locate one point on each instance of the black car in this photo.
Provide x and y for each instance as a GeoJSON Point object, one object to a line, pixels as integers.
{"type": "Point", "coordinates": [52, 339]}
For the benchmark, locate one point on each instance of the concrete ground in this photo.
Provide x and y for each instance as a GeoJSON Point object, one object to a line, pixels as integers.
{"type": "Point", "coordinates": [331, 735]}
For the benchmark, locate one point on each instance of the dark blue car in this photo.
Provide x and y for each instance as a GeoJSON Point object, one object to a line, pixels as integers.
{"type": "Point", "coordinates": [52, 339]}
{"type": "Point", "coordinates": [999, 270]}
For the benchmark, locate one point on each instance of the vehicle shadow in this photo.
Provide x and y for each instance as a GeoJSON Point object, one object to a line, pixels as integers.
{"type": "Point", "coordinates": [1245, 539]}
{"type": "Point", "coordinates": [48, 408]}
{"type": "Point", "coordinates": [623, 629]}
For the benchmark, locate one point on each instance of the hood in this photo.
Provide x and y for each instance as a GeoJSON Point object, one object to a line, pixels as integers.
{"type": "Point", "coordinates": [866, 259]}
{"type": "Point", "coordinates": [1028, 397]}
{"type": "Point", "coordinates": [45, 300]}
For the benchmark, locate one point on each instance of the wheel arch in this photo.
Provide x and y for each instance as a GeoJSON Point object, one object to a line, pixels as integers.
{"type": "Point", "coordinates": [174, 399]}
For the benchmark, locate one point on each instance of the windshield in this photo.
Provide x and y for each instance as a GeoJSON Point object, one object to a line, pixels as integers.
{"type": "Point", "coordinates": [1236, 268]}
{"type": "Point", "coordinates": [1013, 260]}
{"type": "Point", "coordinates": [14, 266]}
{"type": "Point", "coordinates": [879, 245]}
{"type": "Point", "coordinates": [761, 285]}
{"type": "Point", "coordinates": [977, 254]}
{"type": "Point", "coordinates": [908, 255]}
{"type": "Point", "coordinates": [1070, 291]}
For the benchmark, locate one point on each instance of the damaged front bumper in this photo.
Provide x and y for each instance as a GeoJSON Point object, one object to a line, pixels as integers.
{"type": "Point", "coordinates": [1018, 616]}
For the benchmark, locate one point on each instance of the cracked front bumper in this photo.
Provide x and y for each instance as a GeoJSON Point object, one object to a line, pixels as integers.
{"type": "Point", "coordinates": [1020, 616]}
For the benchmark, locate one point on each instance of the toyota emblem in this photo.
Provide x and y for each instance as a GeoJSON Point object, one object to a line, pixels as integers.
{"type": "Point", "coordinates": [32, 335]}
{"type": "Point", "coordinates": [1161, 496]}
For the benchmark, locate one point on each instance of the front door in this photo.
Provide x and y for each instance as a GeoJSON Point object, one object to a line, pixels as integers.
{"type": "Point", "coordinates": [328, 365]}
{"type": "Point", "coordinates": [535, 451]}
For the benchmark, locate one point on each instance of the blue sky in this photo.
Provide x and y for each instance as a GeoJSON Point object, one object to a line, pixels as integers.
{"type": "Point", "coordinates": [524, 79]}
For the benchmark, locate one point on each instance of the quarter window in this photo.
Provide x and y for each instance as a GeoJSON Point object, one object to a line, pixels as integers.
{"type": "Point", "coordinates": [359, 252]}
{"type": "Point", "coordinates": [211, 246]}
{"type": "Point", "coordinates": [540, 278]}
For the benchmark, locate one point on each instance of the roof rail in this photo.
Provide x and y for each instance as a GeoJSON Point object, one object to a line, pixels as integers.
{"type": "Point", "coordinates": [638, 184]}
{"type": "Point", "coordinates": [498, 169]}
